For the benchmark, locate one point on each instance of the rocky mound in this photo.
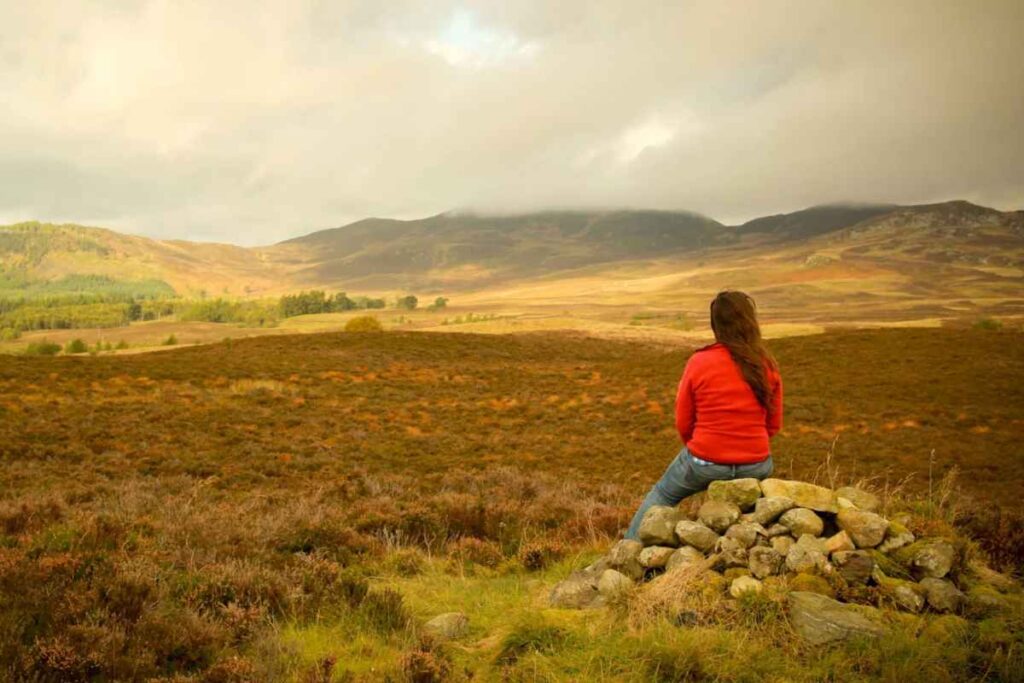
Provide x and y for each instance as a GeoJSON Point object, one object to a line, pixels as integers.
{"type": "Point", "coordinates": [820, 548]}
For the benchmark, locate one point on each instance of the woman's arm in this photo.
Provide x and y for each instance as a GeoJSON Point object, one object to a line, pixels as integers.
{"type": "Point", "coordinates": [774, 420]}
{"type": "Point", "coordinates": [686, 409]}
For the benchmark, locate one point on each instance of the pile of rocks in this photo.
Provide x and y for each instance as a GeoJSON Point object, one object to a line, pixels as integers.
{"type": "Point", "coordinates": [754, 534]}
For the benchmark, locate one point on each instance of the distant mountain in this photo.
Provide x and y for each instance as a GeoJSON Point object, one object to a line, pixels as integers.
{"type": "Point", "coordinates": [455, 251]}
{"type": "Point", "coordinates": [814, 221]}
{"type": "Point", "coordinates": [500, 246]}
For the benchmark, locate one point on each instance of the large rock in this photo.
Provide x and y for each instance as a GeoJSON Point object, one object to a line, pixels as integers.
{"type": "Point", "coordinates": [777, 530]}
{"type": "Point", "coordinates": [684, 556]}
{"type": "Point", "coordinates": [655, 556]}
{"type": "Point", "coordinates": [942, 595]}
{"type": "Point", "coordinates": [896, 536]}
{"type": "Point", "coordinates": [856, 566]}
{"type": "Point", "coordinates": [614, 586]}
{"type": "Point", "coordinates": [731, 553]}
{"type": "Point", "coordinates": [447, 626]}
{"type": "Point", "coordinates": [838, 543]}
{"type": "Point", "coordinates": [718, 515]}
{"type": "Point", "coordinates": [625, 557]}
{"type": "Point", "coordinates": [744, 584]}
{"type": "Point", "coordinates": [696, 534]}
{"type": "Point", "coordinates": [746, 533]}
{"type": "Point", "coordinates": [806, 555]}
{"type": "Point", "coordinates": [819, 620]}
{"type": "Point", "coordinates": [865, 528]}
{"type": "Point", "coordinates": [768, 510]}
{"type": "Point", "coordinates": [764, 562]}
{"type": "Point", "coordinates": [782, 544]}
{"type": "Point", "coordinates": [742, 493]}
{"type": "Point", "coordinates": [579, 591]}
{"type": "Point", "coordinates": [811, 496]}
{"type": "Point", "coordinates": [658, 526]}
{"type": "Point", "coordinates": [906, 595]}
{"type": "Point", "coordinates": [927, 558]}
{"type": "Point", "coordinates": [860, 498]}
{"type": "Point", "coordinates": [802, 521]}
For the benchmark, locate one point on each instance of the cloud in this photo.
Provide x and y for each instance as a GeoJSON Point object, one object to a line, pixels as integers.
{"type": "Point", "coordinates": [253, 122]}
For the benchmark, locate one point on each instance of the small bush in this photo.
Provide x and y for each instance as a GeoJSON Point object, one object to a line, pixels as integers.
{"type": "Point", "coordinates": [988, 324]}
{"type": "Point", "coordinates": [532, 635]}
{"type": "Point", "coordinates": [43, 348]}
{"type": "Point", "coordinates": [385, 610]}
{"type": "Point", "coordinates": [121, 345]}
{"type": "Point", "coordinates": [76, 346]}
{"type": "Point", "coordinates": [364, 323]}
{"type": "Point", "coordinates": [426, 663]}
{"type": "Point", "coordinates": [170, 341]}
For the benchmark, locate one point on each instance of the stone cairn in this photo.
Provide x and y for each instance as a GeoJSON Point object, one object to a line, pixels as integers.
{"type": "Point", "coordinates": [752, 535]}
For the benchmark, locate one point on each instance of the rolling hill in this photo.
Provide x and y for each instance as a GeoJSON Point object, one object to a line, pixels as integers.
{"type": "Point", "coordinates": [468, 252]}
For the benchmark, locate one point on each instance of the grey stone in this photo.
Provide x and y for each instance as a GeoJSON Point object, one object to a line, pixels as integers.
{"type": "Point", "coordinates": [819, 619]}
{"type": "Point", "coordinates": [838, 543]}
{"type": "Point", "coordinates": [684, 556]}
{"type": "Point", "coordinates": [614, 586]}
{"type": "Point", "coordinates": [942, 595]}
{"type": "Point", "coordinates": [896, 536]}
{"type": "Point", "coordinates": [768, 510]}
{"type": "Point", "coordinates": [856, 566]}
{"type": "Point", "coordinates": [658, 526]}
{"type": "Point", "coordinates": [579, 591]}
{"type": "Point", "coordinates": [731, 553]}
{"type": "Point", "coordinates": [746, 533]}
{"type": "Point", "coordinates": [696, 534]}
{"type": "Point", "coordinates": [907, 596]}
{"type": "Point", "coordinates": [764, 562]}
{"type": "Point", "coordinates": [655, 556]}
{"type": "Point", "coordinates": [625, 557]}
{"type": "Point", "coordinates": [718, 515]}
{"type": "Point", "coordinates": [862, 499]}
{"type": "Point", "coordinates": [927, 558]}
{"type": "Point", "coordinates": [802, 521]}
{"type": "Point", "coordinates": [447, 626]}
{"type": "Point", "coordinates": [782, 544]}
{"type": "Point", "coordinates": [811, 496]}
{"type": "Point", "coordinates": [866, 529]}
{"type": "Point", "coordinates": [741, 492]}
{"type": "Point", "coordinates": [806, 555]}
{"type": "Point", "coordinates": [744, 584]}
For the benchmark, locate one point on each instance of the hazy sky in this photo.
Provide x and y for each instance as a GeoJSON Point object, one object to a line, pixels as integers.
{"type": "Point", "coordinates": [250, 122]}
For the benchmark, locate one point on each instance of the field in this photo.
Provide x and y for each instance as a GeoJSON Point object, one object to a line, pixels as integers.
{"type": "Point", "coordinates": [291, 506]}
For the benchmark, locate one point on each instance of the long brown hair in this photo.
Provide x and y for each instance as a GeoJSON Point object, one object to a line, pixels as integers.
{"type": "Point", "coordinates": [734, 322]}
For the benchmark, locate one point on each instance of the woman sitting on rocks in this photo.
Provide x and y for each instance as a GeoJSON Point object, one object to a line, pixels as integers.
{"type": "Point", "coordinates": [728, 406]}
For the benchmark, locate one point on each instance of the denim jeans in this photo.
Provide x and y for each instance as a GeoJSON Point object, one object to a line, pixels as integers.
{"type": "Point", "coordinates": [685, 477]}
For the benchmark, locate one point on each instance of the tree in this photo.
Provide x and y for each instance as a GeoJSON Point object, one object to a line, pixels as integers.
{"type": "Point", "coordinates": [407, 302]}
{"type": "Point", "coordinates": [439, 302]}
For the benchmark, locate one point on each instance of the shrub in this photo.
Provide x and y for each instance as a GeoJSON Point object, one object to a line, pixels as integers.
{"type": "Point", "coordinates": [530, 635]}
{"type": "Point", "coordinates": [170, 341]}
{"type": "Point", "coordinates": [76, 346]}
{"type": "Point", "coordinates": [121, 345]}
{"type": "Point", "coordinates": [988, 324]}
{"type": "Point", "coordinates": [43, 348]}
{"type": "Point", "coordinates": [364, 323]}
{"type": "Point", "coordinates": [385, 610]}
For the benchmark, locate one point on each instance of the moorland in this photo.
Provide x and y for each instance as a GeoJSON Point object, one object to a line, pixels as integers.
{"type": "Point", "coordinates": [292, 507]}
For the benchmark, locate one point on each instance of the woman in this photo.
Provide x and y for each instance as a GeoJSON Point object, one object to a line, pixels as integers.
{"type": "Point", "coordinates": [728, 407]}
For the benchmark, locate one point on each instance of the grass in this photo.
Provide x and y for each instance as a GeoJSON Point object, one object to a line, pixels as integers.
{"type": "Point", "coordinates": [210, 511]}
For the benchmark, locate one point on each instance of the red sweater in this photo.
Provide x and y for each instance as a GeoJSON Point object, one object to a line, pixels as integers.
{"type": "Point", "coordinates": [717, 414]}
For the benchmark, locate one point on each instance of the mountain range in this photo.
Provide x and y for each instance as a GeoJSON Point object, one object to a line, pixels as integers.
{"type": "Point", "coordinates": [468, 251]}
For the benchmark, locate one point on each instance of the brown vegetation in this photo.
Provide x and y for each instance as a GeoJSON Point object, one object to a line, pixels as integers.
{"type": "Point", "coordinates": [158, 513]}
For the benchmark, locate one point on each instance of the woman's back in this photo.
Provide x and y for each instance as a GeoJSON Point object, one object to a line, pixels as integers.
{"type": "Point", "coordinates": [717, 413]}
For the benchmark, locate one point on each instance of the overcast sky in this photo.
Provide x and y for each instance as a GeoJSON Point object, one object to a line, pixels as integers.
{"type": "Point", "coordinates": [250, 122]}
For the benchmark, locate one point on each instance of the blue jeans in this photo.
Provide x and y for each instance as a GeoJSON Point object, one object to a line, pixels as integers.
{"type": "Point", "coordinates": [685, 477]}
